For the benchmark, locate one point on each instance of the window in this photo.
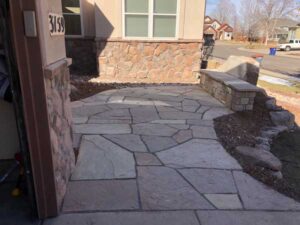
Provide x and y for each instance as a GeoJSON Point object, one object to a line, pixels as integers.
{"type": "Point", "coordinates": [150, 18]}
{"type": "Point", "coordinates": [72, 15]}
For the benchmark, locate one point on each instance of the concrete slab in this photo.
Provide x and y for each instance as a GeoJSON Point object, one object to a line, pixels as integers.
{"type": "Point", "coordinates": [126, 218]}
{"type": "Point", "coordinates": [248, 218]}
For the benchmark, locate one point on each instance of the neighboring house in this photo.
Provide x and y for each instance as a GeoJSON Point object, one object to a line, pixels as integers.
{"type": "Point", "coordinates": [294, 32]}
{"type": "Point", "coordinates": [217, 31]}
{"type": "Point", "coordinates": [135, 40]}
{"type": "Point", "coordinates": [278, 30]}
{"type": "Point", "coordinates": [225, 32]}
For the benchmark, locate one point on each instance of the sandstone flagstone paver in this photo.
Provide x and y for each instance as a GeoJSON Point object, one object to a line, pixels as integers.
{"type": "Point", "coordinates": [101, 195]}
{"type": "Point", "coordinates": [201, 153]}
{"type": "Point", "coordinates": [210, 181]}
{"type": "Point", "coordinates": [215, 113]}
{"type": "Point", "coordinates": [149, 129]}
{"type": "Point", "coordinates": [183, 136]}
{"type": "Point", "coordinates": [225, 201]}
{"type": "Point", "coordinates": [79, 120]}
{"type": "Point", "coordinates": [151, 150]}
{"type": "Point", "coordinates": [101, 159]}
{"type": "Point", "coordinates": [156, 143]}
{"type": "Point", "coordinates": [176, 122]}
{"type": "Point", "coordinates": [204, 132]}
{"type": "Point", "coordinates": [203, 123]}
{"type": "Point", "coordinates": [163, 188]}
{"type": "Point", "coordinates": [144, 114]}
{"type": "Point", "coordinates": [86, 111]}
{"type": "Point", "coordinates": [119, 114]}
{"type": "Point", "coordinates": [101, 129]}
{"type": "Point", "coordinates": [179, 115]}
{"type": "Point", "coordinates": [127, 218]}
{"type": "Point", "coordinates": [129, 141]}
{"type": "Point", "coordinates": [248, 218]}
{"type": "Point", "coordinates": [146, 159]}
{"type": "Point", "coordinates": [256, 195]}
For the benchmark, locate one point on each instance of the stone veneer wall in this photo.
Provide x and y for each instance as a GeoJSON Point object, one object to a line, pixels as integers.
{"type": "Point", "coordinates": [57, 85]}
{"type": "Point", "coordinates": [233, 99]}
{"type": "Point", "coordinates": [148, 61]}
{"type": "Point", "coordinates": [83, 54]}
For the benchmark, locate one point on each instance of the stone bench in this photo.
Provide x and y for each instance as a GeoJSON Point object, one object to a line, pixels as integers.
{"type": "Point", "coordinates": [234, 83]}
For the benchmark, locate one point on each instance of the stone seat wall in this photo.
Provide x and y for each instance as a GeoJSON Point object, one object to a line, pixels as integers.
{"type": "Point", "coordinates": [236, 94]}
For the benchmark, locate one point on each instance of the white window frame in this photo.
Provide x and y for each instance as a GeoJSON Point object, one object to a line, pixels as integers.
{"type": "Point", "coordinates": [81, 22]}
{"type": "Point", "coordinates": [151, 15]}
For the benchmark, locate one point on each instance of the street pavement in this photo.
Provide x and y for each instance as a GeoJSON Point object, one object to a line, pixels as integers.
{"type": "Point", "coordinates": [278, 64]}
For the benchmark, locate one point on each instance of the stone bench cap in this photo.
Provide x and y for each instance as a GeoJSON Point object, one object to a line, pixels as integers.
{"type": "Point", "coordinates": [219, 76]}
{"type": "Point", "coordinates": [230, 81]}
{"type": "Point", "coordinates": [240, 85]}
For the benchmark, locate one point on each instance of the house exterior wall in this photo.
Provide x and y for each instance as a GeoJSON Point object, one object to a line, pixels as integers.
{"type": "Point", "coordinates": [44, 78]}
{"type": "Point", "coordinates": [108, 16]}
{"type": "Point", "coordinates": [114, 63]}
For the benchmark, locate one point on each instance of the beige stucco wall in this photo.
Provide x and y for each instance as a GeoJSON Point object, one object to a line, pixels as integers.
{"type": "Point", "coordinates": [53, 47]}
{"type": "Point", "coordinates": [108, 19]}
{"type": "Point", "coordinates": [9, 140]}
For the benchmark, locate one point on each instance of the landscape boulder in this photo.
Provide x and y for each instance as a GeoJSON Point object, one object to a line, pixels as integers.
{"type": "Point", "coordinates": [283, 118]}
{"type": "Point", "coordinates": [260, 157]}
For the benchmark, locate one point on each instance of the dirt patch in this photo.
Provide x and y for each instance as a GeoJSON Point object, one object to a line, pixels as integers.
{"type": "Point", "coordinates": [242, 129]}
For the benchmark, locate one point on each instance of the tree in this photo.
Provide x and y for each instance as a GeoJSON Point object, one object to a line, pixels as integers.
{"type": "Point", "coordinates": [249, 17]}
{"type": "Point", "coordinates": [272, 10]}
{"type": "Point", "coordinates": [225, 12]}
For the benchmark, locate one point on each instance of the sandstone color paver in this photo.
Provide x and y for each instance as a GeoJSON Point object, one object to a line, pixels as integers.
{"type": "Point", "coordinates": [149, 155]}
{"type": "Point", "coordinates": [163, 188]}
{"type": "Point", "coordinates": [198, 153]}
{"type": "Point", "coordinates": [101, 159]}
{"type": "Point", "coordinates": [101, 195]}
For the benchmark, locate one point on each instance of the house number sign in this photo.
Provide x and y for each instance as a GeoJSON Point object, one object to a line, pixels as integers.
{"type": "Point", "coordinates": [56, 24]}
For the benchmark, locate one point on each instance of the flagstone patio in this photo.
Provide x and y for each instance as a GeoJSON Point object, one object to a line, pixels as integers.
{"type": "Point", "coordinates": [151, 156]}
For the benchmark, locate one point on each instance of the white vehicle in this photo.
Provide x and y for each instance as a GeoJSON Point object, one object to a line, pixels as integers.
{"type": "Point", "coordinates": [293, 44]}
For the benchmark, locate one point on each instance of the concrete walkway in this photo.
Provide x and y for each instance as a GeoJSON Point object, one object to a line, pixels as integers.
{"type": "Point", "coordinates": [150, 156]}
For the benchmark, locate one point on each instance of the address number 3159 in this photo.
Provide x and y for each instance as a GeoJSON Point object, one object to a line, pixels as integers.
{"type": "Point", "coordinates": [56, 24]}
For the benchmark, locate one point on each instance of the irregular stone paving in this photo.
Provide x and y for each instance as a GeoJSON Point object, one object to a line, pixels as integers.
{"type": "Point", "coordinates": [151, 156]}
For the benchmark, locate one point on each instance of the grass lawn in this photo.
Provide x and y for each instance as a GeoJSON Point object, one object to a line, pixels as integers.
{"type": "Point", "coordinates": [282, 89]}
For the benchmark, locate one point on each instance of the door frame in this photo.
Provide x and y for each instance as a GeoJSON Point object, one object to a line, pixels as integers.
{"type": "Point", "coordinates": [28, 54]}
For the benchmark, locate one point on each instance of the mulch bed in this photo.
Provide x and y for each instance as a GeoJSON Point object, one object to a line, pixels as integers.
{"type": "Point", "coordinates": [241, 129]}
{"type": "Point", "coordinates": [82, 90]}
